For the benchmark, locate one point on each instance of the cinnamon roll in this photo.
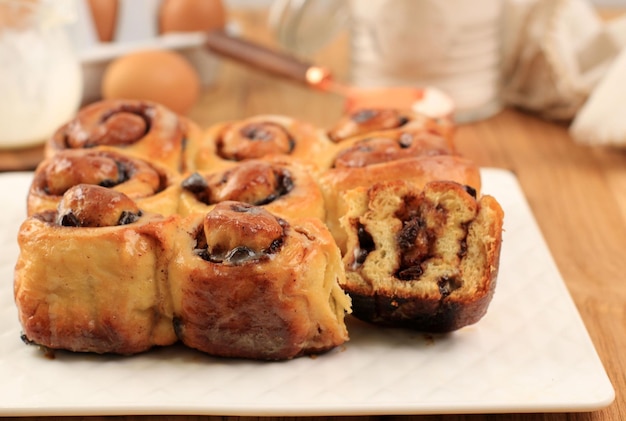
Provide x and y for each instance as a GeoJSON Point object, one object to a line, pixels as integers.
{"type": "Point", "coordinates": [139, 128]}
{"type": "Point", "coordinates": [279, 184]}
{"type": "Point", "coordinates": [418, 170]}
{"type": "Point", "coordinates": [151, 187]}
{"type": "Point", "coordinates": [258, 137]}
{"type": "Point", "coordinates": [91, 277]}
{"type": "Point", "coordinates": [390, 145]}
{"type": "Point", "coordinates": [368, 120]}
{"type": "Point", "coordinates": [248, 284]}
{"type": "Point", "coordinates": [425, 259]}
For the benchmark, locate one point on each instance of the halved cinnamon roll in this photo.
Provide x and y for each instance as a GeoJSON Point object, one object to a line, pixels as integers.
{"type": "Point", "coordinates": [151, 187]}
{"type": "Point", "coordinates": [258, 137]}
{"type": "Point", "coordinates": [369, 120]}
{"type": "Point", "coordinates": [426, 258]}
{"type": "Point", "coordinates": [139, 128]}
{"type": "Point", "coordinates": [248, 284]}
{"type": "Point", "coordinates": [418, 170]}
{"type": "Point", "coordinates": [91, 277]}
{"type": "Point", "coordinates": [279, 184]}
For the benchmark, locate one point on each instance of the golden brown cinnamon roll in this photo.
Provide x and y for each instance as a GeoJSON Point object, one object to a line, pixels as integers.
{"type": "Point", "coordinates": [139, 128]}
{"type": "Point", "coordinates": [247, 284]}
{"type": "Point", "coordinates": [369, 120]}
{"type": "Point", "coordinates": [258, 137]}
{"type": "Point", "coordinates": [92, 276]}
{"type": "Point", "coordinates": [279, 184]}
{"type": "Point", "coordinates": [426, 258]}
{"type": "Point", "coordinates": [390, 145]}
{"type": "Point", "coordinates": [153, 188]}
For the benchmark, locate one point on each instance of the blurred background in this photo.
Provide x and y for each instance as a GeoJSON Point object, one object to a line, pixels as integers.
{"type": "Point", "coordinates": [531, 54]}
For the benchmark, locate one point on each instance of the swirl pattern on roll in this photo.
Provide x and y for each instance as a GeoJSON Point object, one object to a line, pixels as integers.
{"type": "Point", "coordinates": [249, 240]}
{"type": "Point", "coordinates": [136, 178]}
{"type": "Point", "coordinates": [261, 136]}
{"type": "Point", "coordinates": [391, 145]}
{"type": "Point", "coordinates": [279, 184]}
{"type": "Point", "coordinates": [369, 120]}
{"type": "Point", "coordinates": [250, 285]}
{"type": "Point", "coordinates": [139, 128]}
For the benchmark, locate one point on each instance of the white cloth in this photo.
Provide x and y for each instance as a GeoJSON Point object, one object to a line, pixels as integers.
{"type": "Point", "coordinates": [557, 56]}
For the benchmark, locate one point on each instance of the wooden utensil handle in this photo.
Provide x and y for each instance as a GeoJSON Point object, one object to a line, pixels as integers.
{"type": "Point", "coordinates": [258, 56]}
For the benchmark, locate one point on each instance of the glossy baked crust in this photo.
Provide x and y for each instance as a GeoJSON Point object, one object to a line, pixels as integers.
{"type": "Point", "coordinates": [142, 232]}
{"type": "Point", "coordinates": [247, 284]}
{"type": "Point", "coordinates": [227, 143]}
{"type": "Point", "coordinates": [139, 128]}
{"type": "Point", "coordinates": [279, 184]}
{"type": "Point", "coordinates": [368, 120]}
{"type": "Point", "coordinates": [389, 145]}
{"type": "Point", "coordinates": [84, 285]}
{"type": "Point", "coordinates": [152, 187]}
{"type": "Point", "coordinates": [425, 259]}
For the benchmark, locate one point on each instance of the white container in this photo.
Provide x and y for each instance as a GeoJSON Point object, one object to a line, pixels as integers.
{"type": "Point", "coordinates": [40, 75]}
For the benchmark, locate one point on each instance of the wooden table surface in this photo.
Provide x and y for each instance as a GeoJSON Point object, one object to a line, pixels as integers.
{"type": "Point", "coordinates": [577, 194]}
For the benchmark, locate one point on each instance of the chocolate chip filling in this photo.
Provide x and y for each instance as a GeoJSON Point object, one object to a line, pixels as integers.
{"type": "Point", "coordinates": [285, 185]}
{"type": "Point", "coordinates": [124, 174]}
{"type": "Point", "coordinates": [198, 186]}
{"type": "Point", "coordinates": [447, 285]}
{"type": "Point", "coordinates": [240, 254]}
{"type": "Point", "coordinates": [410, 273]}
{"type": "Point", "coordinates": [471, 190]}
{"type": "Point", "coordinates": [128, 217]}
{"type": "Point", "coordinates": [416, 239]}
{"type": "Point", "coordinates": [69, 219]}
{"type": "Point", "coordinates": [201, 189]}
{"type": "Point", "coordinates": [405, 140]}
{"type": "Point", "coordinates": [366, 246]}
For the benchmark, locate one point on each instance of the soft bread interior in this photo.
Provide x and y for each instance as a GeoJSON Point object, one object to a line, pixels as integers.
{"type": "Point", "coordinates": [429, 244]}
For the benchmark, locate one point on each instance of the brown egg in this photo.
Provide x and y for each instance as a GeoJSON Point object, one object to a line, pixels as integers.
{"type": "Point", "coordinates": [191, 15]}
{"type": "Point", "coordinates": [104, 15]}
{"type": "Point", "coordinates": [161, 76]}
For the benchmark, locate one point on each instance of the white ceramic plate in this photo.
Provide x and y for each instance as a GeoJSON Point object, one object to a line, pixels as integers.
{"type": "Point", "coordinates": [530, 353]}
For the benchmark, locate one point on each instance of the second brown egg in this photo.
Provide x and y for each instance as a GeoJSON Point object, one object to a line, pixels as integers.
{"type": "Point", "coordinates": [191, 15]}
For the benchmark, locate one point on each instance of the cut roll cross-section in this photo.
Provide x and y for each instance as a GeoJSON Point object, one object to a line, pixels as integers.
{"type": "Point", "coordinates": [425, 259]}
